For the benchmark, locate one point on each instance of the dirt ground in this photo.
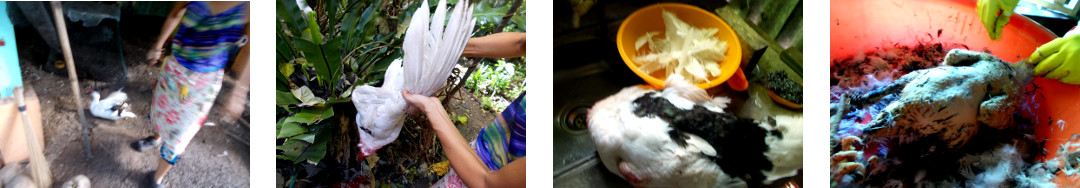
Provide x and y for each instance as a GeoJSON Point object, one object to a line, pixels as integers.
{"type": "Point", "coordinates": [215, 157]}
{"type": "Point", "coordinates": [465, 104]}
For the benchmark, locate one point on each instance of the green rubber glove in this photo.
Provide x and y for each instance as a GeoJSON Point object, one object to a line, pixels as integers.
{"type": "Point", "coordinates": [988, 12]}
{"type": "Point", "coordinates": [1059, 60]}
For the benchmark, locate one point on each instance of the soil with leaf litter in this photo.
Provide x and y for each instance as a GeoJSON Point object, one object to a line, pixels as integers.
{"type": "Point", "coordinates": [410, 160]}
{"type": "Point", "coordinates": [218, 156]}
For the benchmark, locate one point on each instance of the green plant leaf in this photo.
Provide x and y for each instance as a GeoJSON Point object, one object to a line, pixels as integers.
{"type": "Point", "coordinates": [345, 94]}
{"type": "Point", "coordinates": [519, 20]}
{"type": "Point", "coordinates": [317, 150]}
{"type": "Point", "coordinates": [324, 113]}
{"type": "Point", "coordinates": [311, 115]}
{"type": "Point", "coordinates": [305, 118]}
{"type": "Point", "coordinates": [290, 129]}
{"type": "Point", "coordinates": [385, 62]}
{"type": "Point", "coordinates": [310, 138]}
{"type": "Point", "coordinates": [285, 98]}
{"type": "Point", "coordinates": [464, 120]}
{"type": "Point", "coordinates": [332, 55]}
{"type": "Point", "coordinates": [485, 13]}
{"type": "Point", "coordinates": [313, 28]}
{"type": "Point", "coordinates": [306, 97]}
{"type": "Point", "coordinates": [325, 58]}
{"type": "Point", "coordinates": [338, 100]}
{"type": "Point", "coordinates": [353, 65]}
{"type": "Point", "coordinates": [292, 149]}
{"type": "Point", "coordinates": [331, 14]}
{"type": "Point", "coordinates": [362, 25]}
{"type": "Point", "coordinates": [286, 69]}
{"type": "Point", "coordinates": [288, 11]}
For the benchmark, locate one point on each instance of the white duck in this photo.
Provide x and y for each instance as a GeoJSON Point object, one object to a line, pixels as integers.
{"type": "Point", "coordinates": [112, 107]}
{"type": "Point", "coordinates": [430, 53]}
{"type": "Point", "coordinates": [679, 137]}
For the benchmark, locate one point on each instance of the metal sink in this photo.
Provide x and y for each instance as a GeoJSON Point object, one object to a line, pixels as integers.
{"type": "Point", "coordinates": [585, 72]}
{"type": "Point", "coordinates": [590, 70]}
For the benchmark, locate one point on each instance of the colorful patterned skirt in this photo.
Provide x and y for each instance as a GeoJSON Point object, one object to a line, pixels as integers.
{"type": "Point", "coordinates": [182, 100]}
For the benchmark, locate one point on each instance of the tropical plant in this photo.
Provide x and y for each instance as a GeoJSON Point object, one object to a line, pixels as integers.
{"type": "Point", "coordinates": [497, 81]}
{"type": "Point", "coordinates": [319, 62]}
{"type": "Point", "coordinates": [497, 84]}
{"type": "Point", "coordinates": [325, 49]}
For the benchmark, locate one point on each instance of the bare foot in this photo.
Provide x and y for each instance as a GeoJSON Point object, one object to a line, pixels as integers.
{"type": "Point", "coordinates": [235, 105]}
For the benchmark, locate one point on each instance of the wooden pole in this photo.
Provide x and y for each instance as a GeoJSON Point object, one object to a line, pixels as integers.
{"type": "Point", "coordinates": [61, 31]}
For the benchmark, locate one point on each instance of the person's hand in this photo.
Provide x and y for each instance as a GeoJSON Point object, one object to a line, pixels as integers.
{"type": "Point", "coordinates": [995, 14]}
{"type": "Point", "coordinates": [1058, 60]}
{"type": "Point", "coordinates": [154, 55]}
{"type": "Point", "coordinates": [418, 103]}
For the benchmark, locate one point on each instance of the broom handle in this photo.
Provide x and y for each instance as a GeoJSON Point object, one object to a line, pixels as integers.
{"type": "Point", "coordinates": [38, 165]}
{"type": "Point", "coordinates": [61, 30]}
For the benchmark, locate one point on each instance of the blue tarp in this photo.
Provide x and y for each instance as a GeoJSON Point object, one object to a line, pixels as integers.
{"type": "Point", "coordinates": [10, 76]}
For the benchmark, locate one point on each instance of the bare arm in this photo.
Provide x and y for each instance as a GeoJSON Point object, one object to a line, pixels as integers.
{"type": "Point", "coordinates": [499, 45]}
{"type": "Point", "coordinates": [235, 106]}
{"type": "Point", "coordinates": [463, 159]}
{"type": "Point", "coordinates": [171, 21]}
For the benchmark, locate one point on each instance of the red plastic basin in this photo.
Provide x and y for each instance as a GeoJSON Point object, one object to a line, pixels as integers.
{"type": "Point", "coordinates": [861, 26]}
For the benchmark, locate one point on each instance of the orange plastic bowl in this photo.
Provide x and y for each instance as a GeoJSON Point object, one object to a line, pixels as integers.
{"type": "Point", "coordinates": [650, 19]}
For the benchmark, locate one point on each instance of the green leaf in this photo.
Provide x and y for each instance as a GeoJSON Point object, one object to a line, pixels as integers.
{"type": "Point", "coordinates": [324, 112]}
{"type": "Point", "coordinates": [385, 62]}
{"type": "Point", "coordinates": [313, 54]}
{"type": "Point", "coordinates": [338, 100]}
{"type": "Point", "coordinates": [311, 115]}
{"type": "Point", "coordinates": [285, 98]}
{"type": "Point", "coordinates": [281, 78]}
{"type": "Point", "coordinates": [353, 65]}
{"type": "Point", "coordinates": [464, 120]}
{"type": "Point", "coordinates": [348, 27]}
{"type": "Point", "coordinates": [290, 129]}
{"type": "Point", "coordinates": [305, 96]}
{"type": "Point", "coordinates": [286, 69]}
{"type": "Point", "coordinates": [282, 86]}
{"type": "Point", "coordinates": [288, 11]}
{"type": "Point", "coordinates": [331, 14]}
{"type": "Point", "coordinates": [325, 58]}
{"type": "Point", "coordinates": [519, 20]}
{"type": "Point", "coordinates": [485, 13]}
{"type": "Point", "coordinates": [332, 55]}
{"type": "Point", "coordinates": [310, 138]}
{"type": "Point", "coordinates": [317, 150]}
{"type": "Point", "coordinates": [345, 94]}
{"type": "Point", "coordinates": [305, 118]}
{"type": "Point", "coordinates": [313, 28]}
{"type": "Point", "coordinates": [365, 18]}
{"type": "Point", "coordinates": [292, 149]}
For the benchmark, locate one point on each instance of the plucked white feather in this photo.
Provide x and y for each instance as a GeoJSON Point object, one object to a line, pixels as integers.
{"type": "Point", "coordinates": [107, 108]}
{"type": "Point", "coordinates": [430, 53]}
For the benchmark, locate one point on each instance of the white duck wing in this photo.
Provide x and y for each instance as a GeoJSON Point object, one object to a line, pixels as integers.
{"type": "Point", "coordinates": [431, 51]}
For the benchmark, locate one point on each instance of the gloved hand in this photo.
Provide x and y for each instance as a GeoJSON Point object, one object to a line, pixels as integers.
{"type": "Point", "coordinates": [1059, 59]}
{"type": "Point", "coordinates": [988, 12]}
